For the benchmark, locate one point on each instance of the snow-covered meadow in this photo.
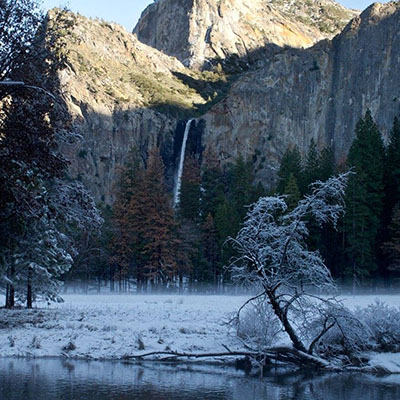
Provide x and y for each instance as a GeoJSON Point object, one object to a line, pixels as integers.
{"type": "Point", "coordinates": [115, 326]}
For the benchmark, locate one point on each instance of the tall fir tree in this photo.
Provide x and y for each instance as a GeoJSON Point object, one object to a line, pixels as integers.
{"type": "Point", "coordinates": [125, 244]}
{"type": "Point", "coordinates": [291, 163]}
{"type": "Point", "coordinates": [189, 199]}
{"type": "Point", "coordinates": [327, 165]}
{"type": "Point", "coordinates": [392, 168]}
{"type": "Point", "coordinates": [311, 171]}
{"type": "Point", "coordinates": [292, 192]}
{"type": "Point", "coordinates": [364, 198]}
{"type": "Point", "coordinates": [392, 197]}
{"type": "Point", "coordinates": [156, 225]}
{"type": "Point", "coordinates": [391, 248]}
{"type": "Point", "coordinates": [211, 252]}
{"type": "Point", "coordinates": [240, 186]}
{"type": "Point", "coordinates": [212, 184]}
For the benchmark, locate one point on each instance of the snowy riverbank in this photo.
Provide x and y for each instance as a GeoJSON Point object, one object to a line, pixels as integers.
{"type": "Point", "coordinates": [115, 326]}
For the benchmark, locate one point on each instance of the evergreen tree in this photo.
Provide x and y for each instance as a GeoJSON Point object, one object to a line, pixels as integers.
{"type": "Point", "coordinates": [364, 198]}
{"type": "Point", "coordinates": [240, 186]}
{"type": "Point", "coordinates": [189, 204]}
{"type": "Point", "coordinates": [211, 251]}
{"type": "Point", "coordinates": [392, 197]}
{"type": "Point", "coordinates": [188, 254]}
{"type": "Point", "coordinates": [311, 172]}
{"type": "Point", "coordinates": [212, 184]}
{"type": "Point", "coordinates": [392, 246]}
{"type": "Point", "coordinates": [227, 222]}
{"type": "Point", "coordinates": [290, 164]}
{"type": "Point", "coordinates": [392, 168]}
{"type": "Point", "coordinates": [292, 192]}
{"type": "Point", "coordinates": [37, 207]}
{"type": "Point", "coordinates": [153, 219]}
{"type": "Point", "coordinates": [327, 165]}
{"type": "Point", "coordinates": [125, 245]}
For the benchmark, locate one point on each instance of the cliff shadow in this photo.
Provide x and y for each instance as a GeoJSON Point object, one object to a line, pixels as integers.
{"type": "Point", "coordinates": [106, 140]}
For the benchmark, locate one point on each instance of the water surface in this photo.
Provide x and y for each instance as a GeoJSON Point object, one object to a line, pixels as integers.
{"type": "Point", "coordinates": [50, 379]}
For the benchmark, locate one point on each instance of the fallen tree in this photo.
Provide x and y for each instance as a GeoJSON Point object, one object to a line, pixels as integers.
{"type": "Point", "coordinates": [273, 258]}
{"type": "Point", "coordinates": [281, 354]}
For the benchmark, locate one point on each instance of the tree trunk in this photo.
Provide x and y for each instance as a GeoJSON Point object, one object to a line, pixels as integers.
{"type": "Point", "coordinates": [29, 290]}
{"type": "Point", "coordinates": [10, 296]}
{"type": "Point", "coordinates": [282, 315]}
{"type": "Point", "coordinates": [112, 285]}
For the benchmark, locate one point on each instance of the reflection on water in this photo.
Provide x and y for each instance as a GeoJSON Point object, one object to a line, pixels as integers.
{"type": "Point", "coordinates": [46, 379]}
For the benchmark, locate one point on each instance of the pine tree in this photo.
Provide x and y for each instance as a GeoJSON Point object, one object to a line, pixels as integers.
{"type": "Point", "coordinates": [290, 164]}
{"type": "Point", "coordinates": [189, 204]}
{"type": "Point", "coordinates": [212, 184]}
{"type": "Point", "coordinates": [392, 197]}
{"type": "Point", "coordinates": [312, 167]}
{"type": "Point", "coordinates": [392, 246]}
{"type": "Point", "coordinates": [392, 167]}
{"type": "Point", "coordinates": [151, 208]}
{"type": "Point", "coordinates": [126, 245]}
{"type": "Point", "coordinates": [327, 165]}
{"type": "Point", "coordinates": [364, 198]}
{"type": "Point", "coordinates": [292, 192]}
{"type": "Point", "coordinates": [211, 251]}
{"type": "Point", "coordinates": [240, 186]}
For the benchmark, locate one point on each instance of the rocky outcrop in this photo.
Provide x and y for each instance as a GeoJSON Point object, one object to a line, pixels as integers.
{"type": "Point", "coordinates": [315, 93]}
{"type": "Point", "coordinates": [120, 94]}
{"type": "Point", "coordinates": [197, 31]}
{"type": "Point", "coordinates": [123, 94]}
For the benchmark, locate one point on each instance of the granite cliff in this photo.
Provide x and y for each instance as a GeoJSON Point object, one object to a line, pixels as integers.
{"type": "Point", "coordinates": [123, 93]}
{"type": "Point", "coordinates": [317, 93]}
{"type": "Point", "coordinates": [200, 31]}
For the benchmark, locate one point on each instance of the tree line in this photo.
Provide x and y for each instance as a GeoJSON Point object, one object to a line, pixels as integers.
{"type": "Point", "coordinates": [149, 243]}
{"type": "Point", "coordinates": [364, 249]}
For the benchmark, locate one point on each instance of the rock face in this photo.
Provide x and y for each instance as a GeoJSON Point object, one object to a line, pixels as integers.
{"type": "Point", "coordinates": [317, 93]}
{"type": "Point", "coordinates": [123, 94]}
{"type": "Point", "coordinates": [120, 94]}
{"type": "Point", "coordinates": [197, 31]}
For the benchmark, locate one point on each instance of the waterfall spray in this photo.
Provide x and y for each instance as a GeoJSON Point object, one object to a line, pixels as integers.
{"type": "Point", "coordinates": [178, 183]}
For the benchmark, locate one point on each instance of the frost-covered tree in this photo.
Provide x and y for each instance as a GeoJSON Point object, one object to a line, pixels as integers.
{"type": "Point", "coordinates": [41, 250]}
{"type": "Point", "coordinates": [274, 257]}
{"type": "Point", "coordinates": [37, 207]}
{"type": "Point", "coordinates": [19, 21]}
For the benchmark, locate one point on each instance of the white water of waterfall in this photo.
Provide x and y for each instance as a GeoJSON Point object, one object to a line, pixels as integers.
{"type": "Point", "coordinates": [178, 183]}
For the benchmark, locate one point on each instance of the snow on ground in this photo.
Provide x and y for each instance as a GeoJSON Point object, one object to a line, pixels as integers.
{"type": "Point", "coordinates": [114, 326]}
{"type": "Point", "coordinates": [385, 362]}
{"type": "Point", "coordinates": [362, 301]}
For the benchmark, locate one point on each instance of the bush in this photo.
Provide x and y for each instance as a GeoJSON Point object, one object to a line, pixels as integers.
{"type": "Point", "coordinates": [348, 336]}
{"type": "Point", "coordinates": [376, 327]}
{"type": "Point", "coordinates": [258, 326]}
{"type": "Point", "coordinates": [384, 324]}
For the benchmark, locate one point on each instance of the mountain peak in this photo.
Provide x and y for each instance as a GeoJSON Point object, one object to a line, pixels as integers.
{"type": "Point", "coordinates": [199, 31]}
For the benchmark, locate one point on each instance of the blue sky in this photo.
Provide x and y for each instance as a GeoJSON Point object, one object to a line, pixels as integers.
{"type": "Point", "coordinates": [127, 12]}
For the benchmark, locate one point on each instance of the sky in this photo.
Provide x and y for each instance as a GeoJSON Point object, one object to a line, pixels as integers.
{"type": "Point", "coordinates": [127, 12]}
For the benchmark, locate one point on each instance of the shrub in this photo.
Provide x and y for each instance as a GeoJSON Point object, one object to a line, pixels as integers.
{"type": "Point", "coordinates": [258, 326]}
{"type": "Point", "coordinates": [384, 324]}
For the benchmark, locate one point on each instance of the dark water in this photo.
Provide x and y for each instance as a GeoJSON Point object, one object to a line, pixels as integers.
{"type": "Point", "coordinates": [58, 380]}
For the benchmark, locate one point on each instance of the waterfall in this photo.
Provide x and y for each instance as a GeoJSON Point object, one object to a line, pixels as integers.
{"type": "Point", "coordinates": [178, 183]}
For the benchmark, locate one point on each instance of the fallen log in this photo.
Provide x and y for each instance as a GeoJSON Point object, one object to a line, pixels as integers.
{"type": "Point", "coordinates": [286, 355]}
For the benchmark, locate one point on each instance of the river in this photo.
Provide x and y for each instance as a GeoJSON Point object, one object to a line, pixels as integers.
{"type": "Point", "coordinates": [56, 379]}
